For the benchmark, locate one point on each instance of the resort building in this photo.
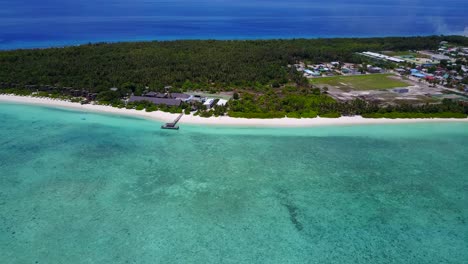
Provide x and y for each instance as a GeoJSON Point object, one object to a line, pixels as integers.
{"type": "Point", "coordinates": [195, 98]}
{"type": "Point", "coordinates": [209, 103]}
{"type": "Point", "coordinates": [156, 100]}
{"type": "Point", "coordinates": [222, 102]}
{"type": "Point", "coordinates": [169, 99]}
{"type": "Point", "coordinates": [181, 96]}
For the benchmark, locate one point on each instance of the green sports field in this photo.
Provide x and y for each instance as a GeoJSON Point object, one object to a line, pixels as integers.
{"type": "Point", "coordinates": [360, 82]}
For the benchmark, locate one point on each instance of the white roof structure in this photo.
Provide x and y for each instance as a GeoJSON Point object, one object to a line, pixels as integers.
{"type": "Point", "coordinates": [222, 102]}
{"type": "Point", "coordinates": [382, 57]}
{"type": "Point", "coordinates": [208, 102]}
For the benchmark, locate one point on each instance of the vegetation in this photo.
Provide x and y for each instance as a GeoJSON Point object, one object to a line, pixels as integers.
{"type": "Point", "coordinates": [191, 64]}
{"type": "Point", "coordinates": [394, 115]}
{"type": "Point", "coordinates": [360, 82]}
{"type": "Point", "coordinates": [312, 105]}
{"type": "Point", "coordinates": [150, 107]}
{"type": "Point", "coordinates": [287, 102]}
{"type": "Point", "coordinates": [447, 109]}
{"type": "Point", "coordinates": [259, 74]}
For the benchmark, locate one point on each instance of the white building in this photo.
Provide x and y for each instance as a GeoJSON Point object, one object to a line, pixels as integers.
{"type": "Point", "coordinates": [222, 102]}
{"type": "Point", "coordinates": [209, 103]}
{"type": "Point", "coordinates": [382, 57]}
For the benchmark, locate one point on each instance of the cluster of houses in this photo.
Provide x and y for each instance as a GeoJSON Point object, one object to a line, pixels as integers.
{"type": "Point", "coordinates": [441, 75]}
{"type": "Point", "coordinates": [455, 55]}
{"type": "Point", "coordinates": [453, 73]}
{"type": "Point", "coordinates": [452, 52]}
{"type": "Point", "coordinates": [329, 69]}
{"type": "Point", "coordinates": [423, 63]}
{"type": "Point", "coordinates": [314, 70]}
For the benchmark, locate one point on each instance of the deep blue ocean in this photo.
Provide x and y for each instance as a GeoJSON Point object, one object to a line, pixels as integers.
{"type": "Point", "coordinates": [33, 23]}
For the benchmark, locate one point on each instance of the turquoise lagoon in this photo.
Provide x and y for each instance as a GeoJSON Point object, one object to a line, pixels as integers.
{"type": "Point", "coordinates": [81, 187]}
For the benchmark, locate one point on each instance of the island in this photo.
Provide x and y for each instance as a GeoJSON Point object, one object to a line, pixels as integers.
{"type": "Point", "coordinates": [392, 77]}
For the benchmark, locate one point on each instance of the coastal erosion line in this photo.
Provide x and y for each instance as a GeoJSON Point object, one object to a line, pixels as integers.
{"type": "Point", "coordinates": [222, 120]}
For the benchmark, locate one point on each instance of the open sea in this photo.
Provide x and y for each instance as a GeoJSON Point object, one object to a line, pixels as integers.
{"type": "Point", "coordinates": [45, 23]}
{"type": "Point", "coordinates": [79, 187]}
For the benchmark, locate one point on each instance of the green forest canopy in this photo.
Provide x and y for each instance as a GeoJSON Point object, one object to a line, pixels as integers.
{"type": "Point", "coordinates": [190, 64]}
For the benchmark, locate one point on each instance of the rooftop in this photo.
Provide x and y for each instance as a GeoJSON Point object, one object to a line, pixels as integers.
{"type": "Point", "coordinates": [222, 102]}
{"type": "Point", "coordinates": [155, 100]}
{"type": "Point", "coordinates": [180, 95]}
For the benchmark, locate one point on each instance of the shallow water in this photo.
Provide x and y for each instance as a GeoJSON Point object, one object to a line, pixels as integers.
{"type": "Point", "coordinates": [86, 188]}
{"type": "Point", "coordinates": [32, 23]}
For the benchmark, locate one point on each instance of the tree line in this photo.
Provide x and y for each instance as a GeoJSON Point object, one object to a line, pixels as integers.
{"type": "Point", "coordinates": [310, 103]}
{"type": "Point", "coordinates": [259, 70]}
{"type": "Point", "coordinates": [189, 64]}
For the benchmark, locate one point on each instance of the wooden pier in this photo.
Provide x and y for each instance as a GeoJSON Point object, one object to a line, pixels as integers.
{"type": "Point", "coordinates": [173, 125]}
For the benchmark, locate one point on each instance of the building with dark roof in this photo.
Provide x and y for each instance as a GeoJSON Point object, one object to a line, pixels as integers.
{"type": "Point", "coordinates": [179, 95]}
{"type": "Point", "coordinates": [152, 94]}
{"type": "Point", "coordinates": [156, 101]}
{"type": "Point", "coordinates": [374, 69]}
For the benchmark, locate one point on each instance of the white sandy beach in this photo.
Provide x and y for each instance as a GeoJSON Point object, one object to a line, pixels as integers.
{"type": "Point", "coordinates": [223, 121]}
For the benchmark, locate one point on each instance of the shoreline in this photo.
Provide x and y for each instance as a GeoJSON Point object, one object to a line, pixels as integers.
{"type": "Point", "coordinates": [219, 121]}
{"type": "Point", "coordinates": [24, 45]}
